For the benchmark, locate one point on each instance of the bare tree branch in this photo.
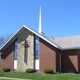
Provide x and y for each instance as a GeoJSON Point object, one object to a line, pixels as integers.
{"type": "Point", "coordinates": [4, 39]}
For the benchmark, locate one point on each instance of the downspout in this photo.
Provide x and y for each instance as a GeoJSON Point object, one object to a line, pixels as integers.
{"type": "Point", "coordinates": [60, 59]}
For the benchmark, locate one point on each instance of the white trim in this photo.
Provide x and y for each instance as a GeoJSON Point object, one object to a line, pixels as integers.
{"type": "Point", "coordinates": [34, 33]}
{"type": "Point", "coordinates": [42, 37]}
{"type": "Point", "coordinates": [37, 64]}
{"type": "Point", "coordinates": [71, 48]}
{"type": "Point", "coordinates": [53, 44]}
{"type": "Point", "coordinates": [11, 37]}
{"type": "Point", "coordinates": [15, 64]}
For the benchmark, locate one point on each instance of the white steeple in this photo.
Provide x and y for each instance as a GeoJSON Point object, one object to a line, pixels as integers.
{"type": "Point", "coordinates": [40, 22]}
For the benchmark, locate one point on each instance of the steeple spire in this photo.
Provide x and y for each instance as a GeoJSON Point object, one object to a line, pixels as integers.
{"type": "Point", "coordinates": [40, 22]}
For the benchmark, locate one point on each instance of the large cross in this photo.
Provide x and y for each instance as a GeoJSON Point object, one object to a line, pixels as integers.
{"type": "Point", "coordinates": [25, 54]}
{"type": "Point", "coordinates": [26, 44]}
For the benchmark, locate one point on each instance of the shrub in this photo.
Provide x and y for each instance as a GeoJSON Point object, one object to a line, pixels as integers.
{"type": "Point", "coordinates": [6, 69]}
{"type": "Point", "coordinates": [30, 70]}
{"type": "Point", "coordinates": [50, 71]}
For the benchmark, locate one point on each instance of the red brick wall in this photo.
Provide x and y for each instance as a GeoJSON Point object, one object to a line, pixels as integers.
{"type": "Point", "coordinates": [48, 56]}
{"type": "Point", "coordinates": [8, 57]}
{"type": "Point", "coordinates": [69, 61]}
{"type": "Point", "coordinates": [78, 52]}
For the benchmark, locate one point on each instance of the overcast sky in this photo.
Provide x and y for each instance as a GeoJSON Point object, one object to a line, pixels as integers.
{"type": "Point", "coordinates": [60, 18]}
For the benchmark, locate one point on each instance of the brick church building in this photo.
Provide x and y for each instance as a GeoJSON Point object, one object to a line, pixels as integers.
{"type": "Point", "coordinates": [28, 48]}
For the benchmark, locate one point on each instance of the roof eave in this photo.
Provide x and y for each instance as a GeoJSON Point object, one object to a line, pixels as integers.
{"type": "Point", "coordinates": [32, 32]}
{"type": "Point", "coordinates": [43, 38]}
{"type": "Point", "coordinates": [10, 39]}
{"type": "Point", "coordinates": [71, 48]}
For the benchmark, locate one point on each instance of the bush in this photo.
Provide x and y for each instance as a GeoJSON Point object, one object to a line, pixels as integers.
{"type": "Point", "coordinates": [6, 69]}
{"type": "Point", "coordinates": [30, 70]}
{"type": "Point", "coordinates": [50, 71]}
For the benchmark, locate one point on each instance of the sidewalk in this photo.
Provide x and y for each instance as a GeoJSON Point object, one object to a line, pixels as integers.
{"type": "Point", "coordinates": [8, 78]}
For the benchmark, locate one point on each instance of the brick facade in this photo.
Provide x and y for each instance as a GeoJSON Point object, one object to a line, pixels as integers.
{"type": "Point", "coordinates": [7, 58]}
{"type": "Point", "coordinates": [49, 56]}
{"type": "Point", "coordinates": [69, 60]}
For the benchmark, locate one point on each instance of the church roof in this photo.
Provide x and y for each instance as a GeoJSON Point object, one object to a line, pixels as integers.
{"type": "Point", "coordinates": [64, 43]}
{"type": "Point", "coordinates": [71, 42]}
{"type": "Point", "coordinates": [33, 31]}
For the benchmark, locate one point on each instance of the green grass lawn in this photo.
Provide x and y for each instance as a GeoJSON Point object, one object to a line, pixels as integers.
{"type": "Point", "coordinates": [37, 76]}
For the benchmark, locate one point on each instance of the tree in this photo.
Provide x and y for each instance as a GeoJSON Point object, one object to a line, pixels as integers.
{"type": "Point", "coordinates": [4, 39]}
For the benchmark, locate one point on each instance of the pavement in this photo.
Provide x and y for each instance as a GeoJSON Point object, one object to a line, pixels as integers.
{"type": "Point", "coordinates": [8, 78]}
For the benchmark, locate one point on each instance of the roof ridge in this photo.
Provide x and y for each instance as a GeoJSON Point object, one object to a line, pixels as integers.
{"type": "Point", "coordinates": [35, 32]}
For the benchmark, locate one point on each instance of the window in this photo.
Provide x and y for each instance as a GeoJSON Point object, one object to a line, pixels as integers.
{"type": "Point", "coordinates": [1, 55]}
{"type": "Point", "coordinates": [16, 48]}
{"type": "Point", "coordinates": [36, 46]}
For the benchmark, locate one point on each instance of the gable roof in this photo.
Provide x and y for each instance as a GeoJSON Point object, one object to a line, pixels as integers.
{"type": "Point", "coordinates": [33, 31]}
{"type": "Point", "coordinates": [64, 43]}
{"type": "Point", "coordinates": [71, 42]}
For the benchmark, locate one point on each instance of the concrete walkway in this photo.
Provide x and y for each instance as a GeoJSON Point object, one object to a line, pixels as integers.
{"type": "Point", "coordinates": [8, 78]}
